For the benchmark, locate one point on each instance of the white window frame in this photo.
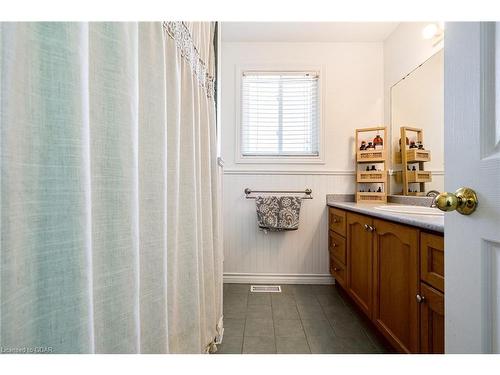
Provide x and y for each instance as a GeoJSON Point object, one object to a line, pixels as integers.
{"type": "Point", "coordinates": [279, 159]}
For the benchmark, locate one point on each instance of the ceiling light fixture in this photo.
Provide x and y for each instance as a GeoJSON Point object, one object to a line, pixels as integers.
{"type": "Point", "coordinates": [430, 31]}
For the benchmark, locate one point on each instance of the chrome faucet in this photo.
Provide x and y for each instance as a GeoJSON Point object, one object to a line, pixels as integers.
{"type": "Point", "coordinates": [434, 194]}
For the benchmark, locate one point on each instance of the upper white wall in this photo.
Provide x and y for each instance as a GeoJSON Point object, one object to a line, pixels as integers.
{"type": "Point", "coordinates": [352, 80]}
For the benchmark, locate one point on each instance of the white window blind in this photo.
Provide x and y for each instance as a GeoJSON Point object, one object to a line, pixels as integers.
{"type": "Point", "coordinates": [279, 114]}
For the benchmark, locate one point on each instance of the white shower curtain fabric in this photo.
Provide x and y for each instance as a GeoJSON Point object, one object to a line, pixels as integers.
{"type": "Point", "coordinates": [109, 206]}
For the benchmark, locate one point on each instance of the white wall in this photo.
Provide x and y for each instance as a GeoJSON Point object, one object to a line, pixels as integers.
{"type": "Point", "coordinates": [353, 84]}
{"type": "Point", "coordinates": [405, 50]}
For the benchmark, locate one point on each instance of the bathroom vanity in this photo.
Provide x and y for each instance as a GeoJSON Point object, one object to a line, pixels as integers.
{"type": "Point", "coordinates": [392, 267]}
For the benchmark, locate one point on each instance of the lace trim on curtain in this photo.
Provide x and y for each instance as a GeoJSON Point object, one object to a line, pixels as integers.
{"type": "Point", "coordinates": [180, 33]}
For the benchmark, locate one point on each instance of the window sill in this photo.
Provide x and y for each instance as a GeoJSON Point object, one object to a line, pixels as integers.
{"type": "Point", "coordinates": [280, 160]}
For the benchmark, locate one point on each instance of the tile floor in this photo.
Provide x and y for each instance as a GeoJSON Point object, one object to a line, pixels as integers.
{"type": "Point", "coordinates": [302, 319]}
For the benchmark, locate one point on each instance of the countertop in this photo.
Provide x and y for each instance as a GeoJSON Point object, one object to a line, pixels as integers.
{"type": "Point", "coordinates": [428, 222]}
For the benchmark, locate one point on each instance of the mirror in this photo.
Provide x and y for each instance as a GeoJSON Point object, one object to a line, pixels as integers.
{"type": "Point", "coordinates": [417, 101]}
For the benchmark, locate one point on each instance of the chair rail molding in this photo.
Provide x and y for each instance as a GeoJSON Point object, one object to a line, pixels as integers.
{"type": "Point", "coordinates": [289, 172]}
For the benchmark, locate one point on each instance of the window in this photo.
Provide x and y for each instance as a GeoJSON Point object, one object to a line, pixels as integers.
{"type": "Point", "coordinates": [279, 114]}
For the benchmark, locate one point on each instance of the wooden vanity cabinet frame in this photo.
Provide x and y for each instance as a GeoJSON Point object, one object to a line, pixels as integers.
{"type": "Point", "coordinates": [426, 276]}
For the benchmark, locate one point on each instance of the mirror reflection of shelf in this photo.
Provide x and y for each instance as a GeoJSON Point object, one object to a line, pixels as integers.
{"type": "Point", "coordinates": [416, 156]}
{"type": "Point", "coordinates": [413, 155]}
{"type": "Point", "coordinates": [413, 176]}
{"type": "Point", "coordinates": [375, 178]}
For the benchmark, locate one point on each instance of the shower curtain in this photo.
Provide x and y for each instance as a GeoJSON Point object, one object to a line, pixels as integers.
{"type": "Point", "coordinates": [109, 207]}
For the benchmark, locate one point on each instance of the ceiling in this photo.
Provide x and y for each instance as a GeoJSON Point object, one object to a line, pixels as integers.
{"type": "Point", "coordinates": [306, 31]}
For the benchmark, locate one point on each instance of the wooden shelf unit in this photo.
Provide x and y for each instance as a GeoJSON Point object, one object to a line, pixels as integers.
{"type": "Point", "coordinates": [376, 156]}
{"type": "Point", "coordinates": [372, 177]}
{"type": "Point", "coordinates": [371, 197]}
{"type": "Point", "coordinates": [413, 156]}
{"type": "Point", "coordinates": [371, 156]}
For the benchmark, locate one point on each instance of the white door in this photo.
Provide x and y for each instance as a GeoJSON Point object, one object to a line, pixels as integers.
{"type": "Point", "coordinates": [472, 159]}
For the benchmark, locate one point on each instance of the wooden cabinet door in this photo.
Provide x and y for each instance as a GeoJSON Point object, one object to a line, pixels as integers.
{"type": "Point", "coordinates": [432, 260]}
{"type": "Point", "coordinates": [396, 284]}
{"type": "Point", "coordinates": [359, 261]}
{"type": "Point", "coordinates": [431, 320]}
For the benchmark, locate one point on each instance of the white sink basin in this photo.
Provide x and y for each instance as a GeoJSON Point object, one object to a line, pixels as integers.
{"type": "Point", "coordinates": [413, 210]}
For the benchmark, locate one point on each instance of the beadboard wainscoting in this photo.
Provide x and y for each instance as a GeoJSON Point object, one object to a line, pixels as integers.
{"type": "Point", "coordinates": [298, 257]}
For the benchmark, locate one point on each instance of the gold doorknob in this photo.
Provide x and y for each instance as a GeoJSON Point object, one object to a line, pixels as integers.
{"type": "Point", "coordinates": [464, 200]}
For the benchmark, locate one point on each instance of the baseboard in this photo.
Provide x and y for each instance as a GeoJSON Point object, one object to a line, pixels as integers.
{"type": "Point", "coordinates": [269, 278]}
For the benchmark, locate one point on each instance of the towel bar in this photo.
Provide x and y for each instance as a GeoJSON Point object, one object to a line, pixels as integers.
{"type": "Point", "coordinates": [307, 192]}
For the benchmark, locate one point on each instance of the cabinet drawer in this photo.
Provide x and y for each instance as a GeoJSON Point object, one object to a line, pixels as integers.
{"type": "Point", "coordinates": [337, 221]}
{"type": "Point", "coordinates": [432, 260]}
{"type": "Point", "coordinates": [336, 244]}
{"type": "Point", "coordinates": [338, 271]}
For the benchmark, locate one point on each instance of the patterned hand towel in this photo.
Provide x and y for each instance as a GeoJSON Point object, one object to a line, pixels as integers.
{"type": "Point", "coordinates": [278, 213]}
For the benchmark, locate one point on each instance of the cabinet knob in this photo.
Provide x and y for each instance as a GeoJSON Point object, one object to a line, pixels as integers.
{"type": "Point", "coordinates": [335, 220]}
{"type": "Point", "coordinates": [335, 269]}
{"type": "Point", "coordinates": [369, 228]}
{"type": "Point", "coordinates": [420, 299]}
{"type": "Point", "coordinates": [366, 227]}
{"type": "Point", "coordinates": [334, 244]}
